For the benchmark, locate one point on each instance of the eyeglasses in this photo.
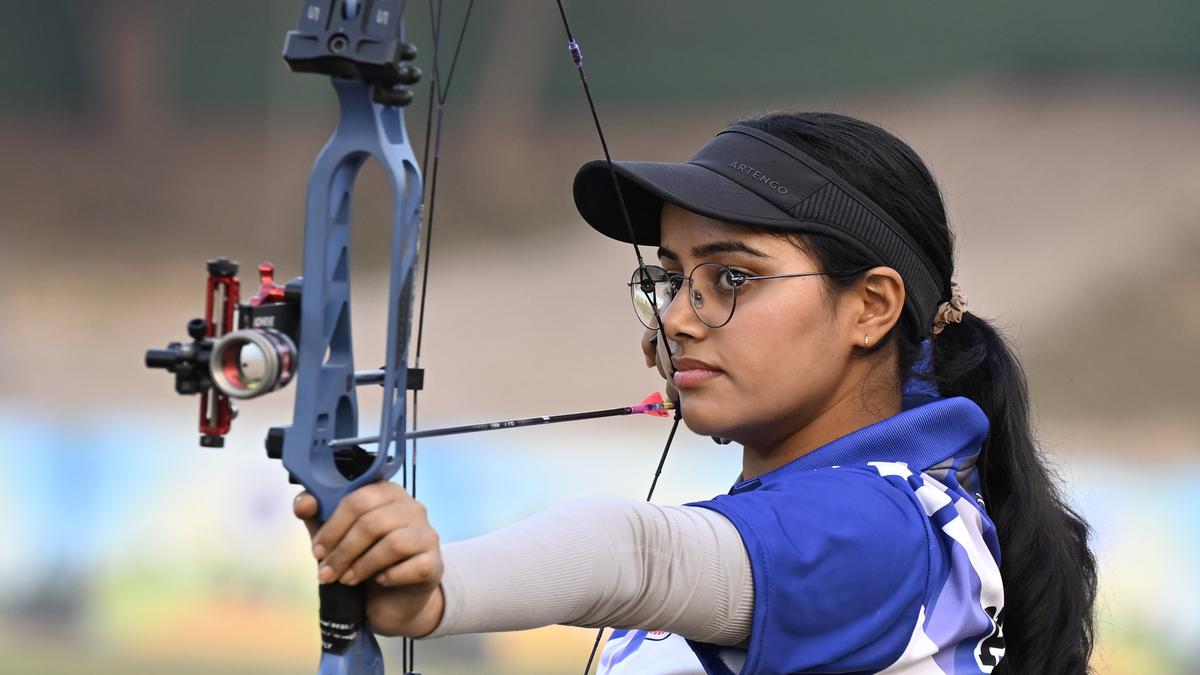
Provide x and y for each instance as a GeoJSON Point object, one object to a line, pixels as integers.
{"type": "Point", "coordinates": [712, 290]}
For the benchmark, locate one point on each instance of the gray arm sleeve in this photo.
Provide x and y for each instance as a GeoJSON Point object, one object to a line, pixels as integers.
{"type": "Point", "coordinates": [603, 562]}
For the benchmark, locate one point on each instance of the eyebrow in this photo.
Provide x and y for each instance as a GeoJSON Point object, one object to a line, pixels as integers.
{"type": "Point", "coordinates": [705, 250]}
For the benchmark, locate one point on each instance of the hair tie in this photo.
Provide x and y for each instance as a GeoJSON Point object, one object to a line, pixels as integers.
{"type": "Point", "coordinates": [950, 311]}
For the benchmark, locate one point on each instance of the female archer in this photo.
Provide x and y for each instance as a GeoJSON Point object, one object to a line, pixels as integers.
{"type": "Point", "coordinates": [893, 512]}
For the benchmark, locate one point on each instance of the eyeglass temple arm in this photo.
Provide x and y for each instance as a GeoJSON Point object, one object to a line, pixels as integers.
{"type": "Point", "coordinates": [785, 276]}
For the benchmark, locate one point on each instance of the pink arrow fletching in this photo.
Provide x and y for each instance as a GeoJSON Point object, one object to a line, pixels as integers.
{"type": "Point", "coordinates": [654, 405]}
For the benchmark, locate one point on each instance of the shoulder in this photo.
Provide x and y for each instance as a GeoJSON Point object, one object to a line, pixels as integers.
{"type": "Point", "coordinates": [841, 561]}
{"type": "Point", "coordinates": [852, 526]}
{"type": "Point", "coordinates": [859, 498]}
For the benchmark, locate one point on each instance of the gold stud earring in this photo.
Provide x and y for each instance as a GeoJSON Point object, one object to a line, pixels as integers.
{"type": "Point", "coordinates": [866, 341]}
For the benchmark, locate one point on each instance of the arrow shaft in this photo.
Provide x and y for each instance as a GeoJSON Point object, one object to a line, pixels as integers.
{"type": "Point", "coordinates": [508, 424]}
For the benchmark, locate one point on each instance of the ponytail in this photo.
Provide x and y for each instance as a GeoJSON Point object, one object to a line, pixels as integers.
{"type": "Point", "coordinates": [1048, 571]}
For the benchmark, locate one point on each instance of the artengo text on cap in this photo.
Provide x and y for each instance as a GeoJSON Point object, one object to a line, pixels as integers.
{"type": "Point", "coordinates": [760, 177]}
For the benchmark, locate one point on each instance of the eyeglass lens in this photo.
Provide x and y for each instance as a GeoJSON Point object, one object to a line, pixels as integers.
{"type": "Point", "coordinates": [712, 291]}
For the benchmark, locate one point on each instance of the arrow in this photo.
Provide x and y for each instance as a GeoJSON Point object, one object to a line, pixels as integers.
{"type": "Point", "coordinates": [652, 405]}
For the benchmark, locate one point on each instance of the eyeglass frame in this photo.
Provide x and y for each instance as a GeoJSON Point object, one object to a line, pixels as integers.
{"type": "Point", "coordinates": [733, 306]}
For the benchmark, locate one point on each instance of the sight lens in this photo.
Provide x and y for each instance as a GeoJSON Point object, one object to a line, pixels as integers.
{"type": "Point", "coordinates": [250, 363]}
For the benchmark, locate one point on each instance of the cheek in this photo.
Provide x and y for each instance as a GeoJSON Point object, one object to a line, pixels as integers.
{"type": "Point", "coordinates": [782, 362]}
{"type": "Point", "coordinates": [786, 344]}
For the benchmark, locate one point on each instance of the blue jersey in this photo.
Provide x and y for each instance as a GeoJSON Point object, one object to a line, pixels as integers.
{"type": "Point", "coordinates": [871, 554]}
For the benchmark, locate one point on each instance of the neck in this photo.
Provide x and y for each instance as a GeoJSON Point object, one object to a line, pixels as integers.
{"type": "Point", "coordinates": [853, 409]}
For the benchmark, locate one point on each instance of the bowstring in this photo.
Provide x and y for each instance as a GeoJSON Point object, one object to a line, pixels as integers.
{"type": "Point", "coordinates": [577, 57]}
{"type": "Point", "coordinates": [439, 93]}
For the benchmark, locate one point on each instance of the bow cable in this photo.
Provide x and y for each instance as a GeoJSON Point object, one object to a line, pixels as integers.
{"type": "Point", "coordinates": [440, 93]}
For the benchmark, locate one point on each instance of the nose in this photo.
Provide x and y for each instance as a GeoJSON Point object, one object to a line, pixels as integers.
{"type": "Point", "coordinates": [679, 319]}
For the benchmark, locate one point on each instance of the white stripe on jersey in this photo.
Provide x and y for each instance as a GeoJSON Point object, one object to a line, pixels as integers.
{"type": "Point", "coordinates": [667, 656]}
{"type": "Point", "coordinates": [967, 530]}
{"type": "Point", "coordinates": [917, 657]}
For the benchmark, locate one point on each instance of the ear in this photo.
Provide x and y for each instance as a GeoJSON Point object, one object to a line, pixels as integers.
{"type": "Point", "coordinates": [879, 301]}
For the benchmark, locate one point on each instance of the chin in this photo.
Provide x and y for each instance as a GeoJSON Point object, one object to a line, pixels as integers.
{"type": "Point", "coordinates": [701, 429]}
{"type": "Point", "coordinates": [743, 425]}
{"type": "Point", "coordinates": [705, 419]}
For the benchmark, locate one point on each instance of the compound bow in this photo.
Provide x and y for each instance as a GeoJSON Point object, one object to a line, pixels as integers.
{"type": "Point", "coordinates": [302, 330]}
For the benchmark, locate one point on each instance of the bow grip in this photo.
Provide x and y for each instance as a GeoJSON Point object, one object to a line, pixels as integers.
{"type": "Point", "coordinates": [347, 646]}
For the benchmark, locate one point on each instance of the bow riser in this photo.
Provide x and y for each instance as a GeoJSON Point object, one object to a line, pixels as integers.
{"type": "Point", "coordinates": [326, 403]}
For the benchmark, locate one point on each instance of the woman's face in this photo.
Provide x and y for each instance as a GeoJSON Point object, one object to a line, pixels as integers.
{"type": "Point", "coordinates": [780, 362]}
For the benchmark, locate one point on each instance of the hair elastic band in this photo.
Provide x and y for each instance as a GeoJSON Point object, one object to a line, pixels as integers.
{"type": "Point", "coordinates": [950, 311]}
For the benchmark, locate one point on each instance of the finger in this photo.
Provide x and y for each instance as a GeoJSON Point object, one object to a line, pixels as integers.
{"type": "Point", "coordinates": [663, 360]}
{"type": "Point", "coordinates": [353, 506]}
{"type": "Point", "coordinates": [649, 340]}
{"type": "Point", "coordinates": [664, 363]}
{"type": "Point", "coordinates": [423, 568]}
{"type": "Point", "coordinates": [395, 547]}
{"type": "Point", "coordinates": [305, 508]}
{"type": "Point", "coordinates": [366, 531]}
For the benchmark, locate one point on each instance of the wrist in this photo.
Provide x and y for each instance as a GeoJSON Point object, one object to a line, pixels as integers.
{"type": "Point", "coordinates": [430, 616]}
{"type": "Point", "coordinates": [387, 615]}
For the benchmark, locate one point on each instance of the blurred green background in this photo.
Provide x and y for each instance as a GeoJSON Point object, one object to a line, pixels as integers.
{"type": "Point", "coordinates": [142, 137]}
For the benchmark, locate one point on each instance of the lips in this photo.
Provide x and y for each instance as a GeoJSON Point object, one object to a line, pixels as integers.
{"type": "Point", "coordinates": [690, 372]}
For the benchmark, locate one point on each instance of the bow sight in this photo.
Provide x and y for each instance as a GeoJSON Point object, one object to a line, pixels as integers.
{"type": "Point", "coordinates": [302, 331]}
{"type": "Point", "coordinates": [221, 363]}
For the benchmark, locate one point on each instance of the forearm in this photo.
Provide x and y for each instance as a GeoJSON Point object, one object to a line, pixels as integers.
{"type": "Point", "coordinates": [603, 562]}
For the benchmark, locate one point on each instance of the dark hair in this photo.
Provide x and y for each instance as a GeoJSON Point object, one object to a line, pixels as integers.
{"type": "Point", "coordinates": [1049, 573]}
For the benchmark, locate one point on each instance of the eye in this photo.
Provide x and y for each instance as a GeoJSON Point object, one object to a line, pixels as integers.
{"type": "Point", "coordinates": [730, 279]}
{"type": "Point", "coordinates": [676, 279]}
